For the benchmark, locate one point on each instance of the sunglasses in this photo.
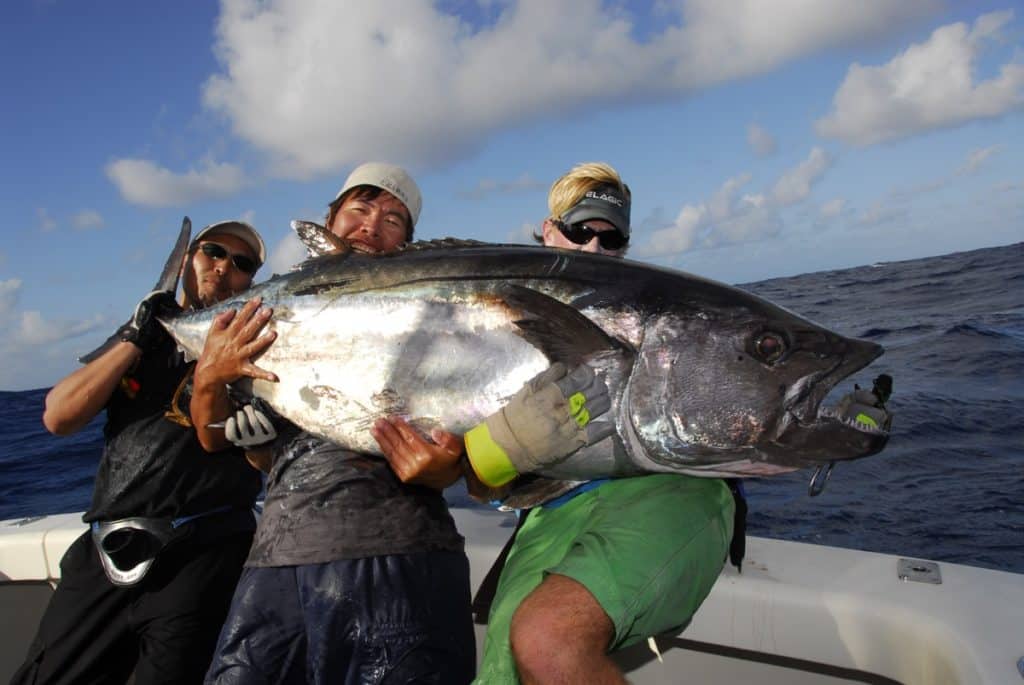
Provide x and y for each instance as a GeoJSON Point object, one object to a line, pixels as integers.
{"type": "Point", "coordinates": [242, 263]}
{"type": "Point", "coordinates": [581, 234]}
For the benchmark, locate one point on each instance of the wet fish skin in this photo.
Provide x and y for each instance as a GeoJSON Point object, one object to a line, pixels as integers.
{"type": "Point", "coordinates": [444, 334]}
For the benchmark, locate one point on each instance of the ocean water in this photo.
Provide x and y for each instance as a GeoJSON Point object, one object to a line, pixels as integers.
{"type": "Point", "coordinates": [949, 486]}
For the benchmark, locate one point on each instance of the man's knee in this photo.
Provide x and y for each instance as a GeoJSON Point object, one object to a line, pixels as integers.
{"type": "Point", "coordinates": [557, 626]}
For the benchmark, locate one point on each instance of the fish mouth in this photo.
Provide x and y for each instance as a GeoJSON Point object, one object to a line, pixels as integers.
{"type": "Point", "coordinates": [829, 437]}
{"type": "Point", "coordinates": [811, 433]}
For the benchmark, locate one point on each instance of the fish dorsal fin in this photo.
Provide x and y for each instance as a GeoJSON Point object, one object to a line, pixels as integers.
{"type": "Point", "coordinates": [561, 332]}
{"type": "Point", "coordinates": [318, 240]}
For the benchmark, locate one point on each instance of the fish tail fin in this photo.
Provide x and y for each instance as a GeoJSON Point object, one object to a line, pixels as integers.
{"type": "Point", "coordinates": [168, 281]}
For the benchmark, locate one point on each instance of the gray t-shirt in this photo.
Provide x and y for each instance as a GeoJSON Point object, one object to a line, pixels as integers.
{"type": "Point", "coordinates": [325, 503]}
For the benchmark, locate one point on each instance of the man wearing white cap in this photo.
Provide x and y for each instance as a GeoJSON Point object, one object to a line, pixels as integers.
{"type": "Point", "coordinates": [353, 576]}
{"type": "Point", "coordinates": [147, 588]}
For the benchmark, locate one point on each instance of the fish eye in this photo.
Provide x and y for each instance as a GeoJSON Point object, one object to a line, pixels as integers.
{"type": "Point", "coordinates": [770, 347]}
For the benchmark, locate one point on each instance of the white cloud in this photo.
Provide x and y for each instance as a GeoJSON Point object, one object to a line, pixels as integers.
{"type": "Point", "coordinates": [46, 222]}
{"type": "Point", "coordinates": [145, 183]}
{"type": "Point", "coordinates": [21, 330]}
{"type": "Point", "coordinates": [795, 185]}
{"type": "Point", "coordinates": [832, 208]}
{"type": "Point", "coordinates": [976, 158]}
{"type": "Point", "coordinates": [34, 330]}
{"type": "Point", "coordinates": [760, 141]}
{"type": "Point", "coordinates": [908, 192]}
{"type": "Point", "coordinates": [930, 85]}
{"type": "Point", "coordinates": [729, 217]}
{"type": "Point", "coordinates": [679, 237]}
{"type": "Point", "coordinates": [87, 218]}
{"type": "Point", "coordinates": [1010, 186]}
{"type": "Point", "coordinates": [9, 290]}
{"type": "Point", "coordinates": [489, 186]}
{"type": "Point", "coordinates": [320, 85]}
{"type": "Point", "coordinates": [881, 213]}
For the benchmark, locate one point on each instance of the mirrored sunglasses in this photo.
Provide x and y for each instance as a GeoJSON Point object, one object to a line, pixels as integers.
{"type": "Point", "coordinates": [242, 263]}
{"type": "Point", "coordinates": [581, 234]}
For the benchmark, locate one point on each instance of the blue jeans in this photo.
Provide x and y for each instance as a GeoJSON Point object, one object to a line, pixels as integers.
{"type": "Point", "coordinates": [392, 619]}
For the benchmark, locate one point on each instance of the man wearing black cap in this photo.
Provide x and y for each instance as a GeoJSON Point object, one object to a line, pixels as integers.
{"type": "Point", "coordinates": [147, 588]}
{"type": "Point", "coordinates": [589, 212]}
{"type": "Point", "coordinates": [609, 563]}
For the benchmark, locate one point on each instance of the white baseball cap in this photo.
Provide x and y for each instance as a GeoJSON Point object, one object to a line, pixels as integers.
{"type": "Point", "coordinates": [239, 229]}
{"type": "Point", "coordinates": [393, 179]}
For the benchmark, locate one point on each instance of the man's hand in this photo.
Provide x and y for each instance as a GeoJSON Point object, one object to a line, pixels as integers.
{"type": "Point", "coordinates": [547, 420]}
{"type": "Point", "coordinates": [143, 330]}
{"type": "Point", "coordinates": [413, 459]}
{"type": "Point", "coordinates": [249, 428]}
{"type": "Point", "coordinates": [234, 339]}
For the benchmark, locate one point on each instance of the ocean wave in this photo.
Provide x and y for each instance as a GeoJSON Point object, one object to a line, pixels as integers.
{"type": "Point", "coordinates": [968, 328]}
{"type": "Point", "coordinates": [877, 332]}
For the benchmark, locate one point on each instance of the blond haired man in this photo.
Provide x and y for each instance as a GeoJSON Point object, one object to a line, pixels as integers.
{"type": "Point", "coordinates": [609, 563]}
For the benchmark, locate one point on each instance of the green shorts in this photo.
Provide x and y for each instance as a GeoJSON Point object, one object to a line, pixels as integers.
{"type": "Point", "coordinates": [647, 548]}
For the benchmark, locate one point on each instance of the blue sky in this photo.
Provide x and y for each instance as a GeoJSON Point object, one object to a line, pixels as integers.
{"type": "Point", "coordinates": [760, 139]}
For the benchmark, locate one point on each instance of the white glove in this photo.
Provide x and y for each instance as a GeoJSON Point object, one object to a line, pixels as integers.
{"type": "Point", "coordinates": [249, 428]}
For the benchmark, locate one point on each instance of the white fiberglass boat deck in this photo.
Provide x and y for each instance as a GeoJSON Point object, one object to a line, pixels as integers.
{"type": "Point", "coordinates": [797, 614]}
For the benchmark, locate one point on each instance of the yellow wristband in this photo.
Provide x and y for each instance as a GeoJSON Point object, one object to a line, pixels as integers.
{"type": "Point", "coordinates": [489, 461]}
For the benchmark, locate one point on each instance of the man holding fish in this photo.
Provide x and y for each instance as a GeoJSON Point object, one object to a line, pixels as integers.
{"type": "Point", "coordinates": [146, 589]}
{"type": "Point", "coordinates": [353, 575]}
{"type": "Point", "coordinates": [612, 561]}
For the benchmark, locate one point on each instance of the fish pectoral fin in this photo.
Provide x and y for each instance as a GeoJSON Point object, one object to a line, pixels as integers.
{"type": "Point", "coordinates": [558, 330]}
{"type": "Point", "coordinates": [530, 490]}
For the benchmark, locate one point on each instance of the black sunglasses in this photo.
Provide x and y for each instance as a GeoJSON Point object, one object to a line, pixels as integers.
{"type": "Point", "coordinates": [581, 234]}
{"type": "Point", "coordinates": [242, 263]}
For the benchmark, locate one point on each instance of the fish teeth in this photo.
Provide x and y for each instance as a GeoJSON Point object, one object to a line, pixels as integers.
{"type": "Point", "coordinates": [831, 413]}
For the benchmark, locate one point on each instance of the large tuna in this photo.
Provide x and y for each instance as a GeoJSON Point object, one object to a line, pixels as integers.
{"type": "Point", "coordinates": [706, 379]}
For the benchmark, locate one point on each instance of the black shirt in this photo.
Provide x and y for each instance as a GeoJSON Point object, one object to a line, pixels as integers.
{"type": "Point", "coordinates": [154, 467]}
{"type": "Point", "coordinates": [326, 503]}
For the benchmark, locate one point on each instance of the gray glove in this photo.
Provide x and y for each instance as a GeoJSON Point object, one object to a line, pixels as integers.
{"type": "Point", "coordinates": [249, 428]}
{"type": "Point", "coordinates": [547, 420]}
